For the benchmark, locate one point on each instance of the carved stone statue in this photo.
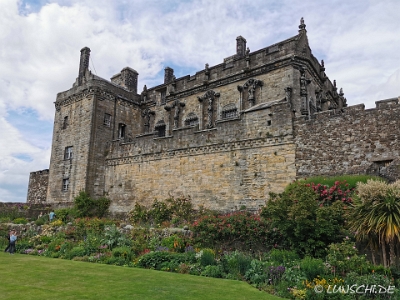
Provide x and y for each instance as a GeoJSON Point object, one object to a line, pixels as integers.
{"type": "Point", "coordinates": [177, 105]}
{"type": "Point", "coordinates": [210, 97]}
{"type": "Point", "coordinates": [251, 86]}
{"type": "Point", "coordinates": [146, 113]}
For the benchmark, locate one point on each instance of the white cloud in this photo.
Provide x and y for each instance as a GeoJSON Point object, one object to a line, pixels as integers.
{"type": "Point", "coordinates": [40, 43]}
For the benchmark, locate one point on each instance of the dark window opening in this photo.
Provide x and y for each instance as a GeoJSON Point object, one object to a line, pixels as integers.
{"type": "Point", "coordinates": [68, 153]}
{"type": "Point", "coordinates": [160, 131]}
{"type": "Point", "coordinates": [65, 184]}
{"type": "Point", "coordinates": [65, 122]}
{"type": "Point", "coordinates": [121, 130]}
{"type": "Point", "coordinates": [191, 120]}
{"type": "Point", "coordinates": [107, 120]}
{"type": "Point", "coordinates": [163, 97]}
{"type": "Point", "coordinates": [269, 123]}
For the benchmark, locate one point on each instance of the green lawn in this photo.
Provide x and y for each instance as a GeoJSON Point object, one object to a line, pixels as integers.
{"type": "Point", "coordinates": [34, 277]}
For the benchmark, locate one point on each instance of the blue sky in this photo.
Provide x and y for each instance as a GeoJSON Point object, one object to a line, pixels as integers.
{"type": "Point", "coordinates": [40, 44]}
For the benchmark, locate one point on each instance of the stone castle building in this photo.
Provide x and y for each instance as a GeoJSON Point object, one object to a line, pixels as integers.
{"type": "Point", "coordinates": [226, 136]}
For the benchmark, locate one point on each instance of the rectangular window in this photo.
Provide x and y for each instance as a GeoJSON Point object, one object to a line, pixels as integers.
{"type": "Point", "coordinates": [121, 130]}
{"type": "Point", "coordinates": [163, 97]}
{"type": "Point", "coordinates": [269, 123]}
{"type": "Point", "coordinates": [107, 120]}
{"type": "Point", "coordinates": [65, 184]}
{"type": "Point", "coordinates": [65, 122]}
{"type": "Point", "coordinates": [68, 152]}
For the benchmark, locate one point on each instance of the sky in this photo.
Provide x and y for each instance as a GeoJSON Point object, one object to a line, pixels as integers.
{"type": "Point", "coordinates": [40, 43]}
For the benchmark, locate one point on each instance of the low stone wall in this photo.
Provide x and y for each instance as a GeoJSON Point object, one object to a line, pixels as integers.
{"type": "Point", "coordinates": [23, 210]}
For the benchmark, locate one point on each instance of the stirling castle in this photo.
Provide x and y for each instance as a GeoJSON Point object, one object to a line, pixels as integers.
{"type": "Point", "coordinates": [226, 136]}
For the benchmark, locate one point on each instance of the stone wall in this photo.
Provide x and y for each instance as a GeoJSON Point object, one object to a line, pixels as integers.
{"type": "Point", "coordinates": [236, 163]}
{"type": "Point", "coordinates": [353, 140]}
{"type": "Point", "coordinates": [37, 188]}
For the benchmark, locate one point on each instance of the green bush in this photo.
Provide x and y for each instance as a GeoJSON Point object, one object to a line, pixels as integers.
{"type": "Point", "coordinates": [158, 260]}
{"type": "Point", "coordinates": [257, 274]}
{"type": "Point", "coordinates": [66, 214]}
{"type": "Point", "coordinates": [139, 214]}
{"type": "Point", "coordinates": [40, 222]}
{"type": "Point", "coordinates": [312, 267]}
{"type": "Point", "coordinates": [124, 252]}
{"type": "Point", "coordinates": [212, 271]}
{"type": "Point", "coordinates": [206, 257]}
{"type": "Point", "coordinates": [85, 206]}
{"type": "Point", "coordinates": [236, 264]}
{"type": "Point", "coordinates": [78, 251]}
{"type": "Point", "coordinates": [282, 257]}
{"type": "Point", "coordinates": [240, 230]}
{"type": "Point", "coordinates": [308, 226]}
{"type": "Point", "coordinates": [160, 212]}
{"type": "Point", "coordinates": [20, 221]}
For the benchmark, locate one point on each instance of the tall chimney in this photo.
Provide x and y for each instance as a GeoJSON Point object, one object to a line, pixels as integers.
{"type": "Point", "coordinates": [240, 46]}
{"type": "Point", "coordinates": [129, 79]}
{"type": "Point", "coordinates": [83, 64]}
{"type": "Point", "coordinates": [168, 75]}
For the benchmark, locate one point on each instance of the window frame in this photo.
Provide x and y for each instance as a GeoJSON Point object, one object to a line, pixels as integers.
{"type": "Point", "coordinates": [68, 153]}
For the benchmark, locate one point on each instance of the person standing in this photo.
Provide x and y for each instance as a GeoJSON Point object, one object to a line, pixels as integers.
{"type": "Point", "coordinates": [51, 216]}
{"type": "Point", "coordinates": [13, 239]}
{"type": "Point", "coordinates": [8, 238]}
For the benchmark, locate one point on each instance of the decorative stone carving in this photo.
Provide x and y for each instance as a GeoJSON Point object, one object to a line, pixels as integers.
{"type": "Point", "coordinates": [146, 113]}
{"type": "Point", "coordinates": [144, 94]}
{"type": "Point", "coordinates": [177, 105]}
{"type": "Point", "coordinates": [209, 96]}
{"type": "Point", "coordinates": [288, 96]}
{"type": "Point", "coordinates": [251, 86]}
{"type": "Point", "coordinates": [303, 93]}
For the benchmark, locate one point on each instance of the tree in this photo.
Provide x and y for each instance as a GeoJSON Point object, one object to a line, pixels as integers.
{"type": "Point", "coordinates": [375, 216]}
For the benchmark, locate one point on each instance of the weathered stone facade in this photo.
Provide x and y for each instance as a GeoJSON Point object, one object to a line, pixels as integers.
{"type": "Point", "coordinates": [226, 136]}
{"type": "Point", "coordinates": [37, 189]}
{"type": "Point", "coordinates": [353, 140]}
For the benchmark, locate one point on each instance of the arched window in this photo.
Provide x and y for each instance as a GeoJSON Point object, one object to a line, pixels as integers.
{"type": "Point", "coordinates": [191, 120]}
{"type": "Point", "coordinates": [160, 128]}
{"type": "Point", "coordinates": [229, 111]}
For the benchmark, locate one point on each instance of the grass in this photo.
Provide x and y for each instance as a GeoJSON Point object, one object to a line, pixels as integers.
{"type": "Point", "coordinates": [34, 277]}
{"type": "Point", "coordinates": [350, 179]}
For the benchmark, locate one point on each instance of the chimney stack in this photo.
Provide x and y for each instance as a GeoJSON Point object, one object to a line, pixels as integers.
{"type": "Point", "coordinates": [83, 64]}
{"type": "Point", "coordinates": [168, 75]}
{"type": "Point", "coordinates": [240, 46]}
{"type": "Point", "coordinates": [129, 79]}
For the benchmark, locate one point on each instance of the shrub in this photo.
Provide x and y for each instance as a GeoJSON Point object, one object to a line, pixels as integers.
{"type": "Point", "coordinates": [282, 257]}
{"type": "Point", "coordinates": [139, 214]}
{"type": "Point", "coordinates": [124, 252]}
{"type": "Point", "coordinates": [20, 221]}
{"type": "Point", "coordinates": [236, 264]}
{"type": "Point", "coordinates": [160, 212]}
{"type": "Point", "coordinates": [206, 257]}
{"type": "Point", "coordinates": [308, 226]}
{"type": "Point", "coordinates": [78, 251]}
{"type": "Point", "coordinates": [40, 222]}
{"type": "Point", "coordinates": [174, 243]}
{"type": "Point", "coordinates": [155, 260]}
{"type": "Point", "coordinates": [257, 274]}
{"type": "Point", "coordinates": [312, 267]}
{"type": "Point", "coordinates": [66, 214]}
{"type": "Point", "coordinates": [239, 230]}
{"type": "Point", "coordinates": [212, 271]}
{"type": "Point", "coordinates": [85, 206]}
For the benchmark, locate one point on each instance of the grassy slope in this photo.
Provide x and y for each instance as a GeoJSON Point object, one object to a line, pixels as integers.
{"type": "Point", "coordinates": [32, 277]}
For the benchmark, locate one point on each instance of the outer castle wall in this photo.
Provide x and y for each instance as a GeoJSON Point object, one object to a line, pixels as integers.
{"type": "Point", "coordinates": [353, 140]}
